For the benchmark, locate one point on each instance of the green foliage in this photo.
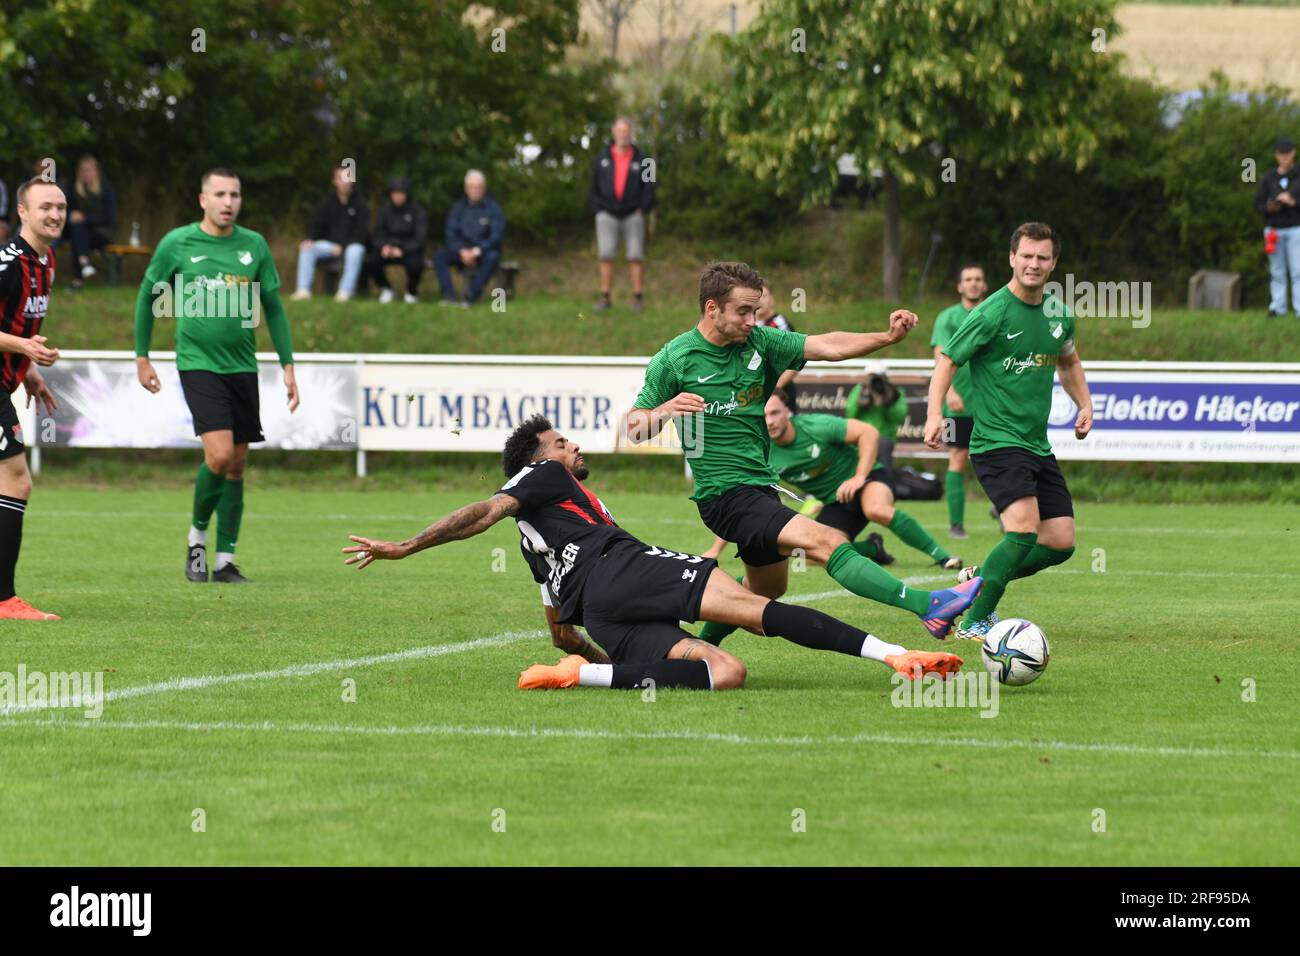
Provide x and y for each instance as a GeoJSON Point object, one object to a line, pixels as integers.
{"type": "Point", "coordinates": [702, 192]}
{"type": "Point", "coordinates": [905, 84]}
{"type": "Point", "coordinates": [1211, 220]}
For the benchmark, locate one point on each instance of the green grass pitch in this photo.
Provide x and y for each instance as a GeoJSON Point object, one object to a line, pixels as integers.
{"type": "Point", "coordinates": [1140, 716]}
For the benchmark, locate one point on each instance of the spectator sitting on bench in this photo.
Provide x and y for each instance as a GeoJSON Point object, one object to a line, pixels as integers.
{"type": "Point", "coordinates": [475, 228]}
{"type": "Point", "coordinates": [339, 227]}
{"type": "Point", "coordinates": [92, 213]}
{"type": "Point", "coordinates": [401, 230]}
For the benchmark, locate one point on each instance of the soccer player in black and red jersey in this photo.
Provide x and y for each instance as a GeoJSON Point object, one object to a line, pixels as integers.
{"type": "Point", "coordinates": [630, 596]}
{"type": "Point", "coordinates": [26, 275]}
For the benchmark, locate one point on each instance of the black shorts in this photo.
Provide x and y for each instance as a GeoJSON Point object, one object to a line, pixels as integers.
{"type": "Point", "coordinates": [751, 516]}
{"type": "Point", "coordinates": [1009, 474]}
{"type": "Point", "coordinates": [848, 517]}
{"type": "Point", "coordinates": [634, 597]}
{"type": "Point", "coordinates": [223, 402]}
{"type": "Point", "coordinates": [11, 433]}
{"type": "Point", "coordinates": [963, 425]}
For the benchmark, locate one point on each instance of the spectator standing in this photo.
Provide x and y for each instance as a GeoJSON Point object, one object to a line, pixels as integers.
{"type": "Point", "coordinates": [93, 213]}
{"type": "Point", "coordinates": [339, 227]}
{"type": "Point", "coordinates": [1277, 198]}
{"type": "Point", "coordinates": [401, 231]}
{"type": "Point", "coordinates": [622, 192]}
{"type": "Point", "coordinates": [475, 228]}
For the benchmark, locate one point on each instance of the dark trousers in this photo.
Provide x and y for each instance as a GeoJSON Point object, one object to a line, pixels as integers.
{"type": "Point", "coordinates": [85, 239]}
{"type": "Point", "coordinates": [412, 262]}
{"type": "Point", "coordinates": [446, 258]}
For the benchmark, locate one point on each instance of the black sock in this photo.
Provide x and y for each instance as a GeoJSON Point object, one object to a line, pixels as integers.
{"type": "Point", "coordinates": [809, 628]}
{"type": "Point", "coordinates": [665, 673]}
{"type": "Point", "coordinates": [11, 540]}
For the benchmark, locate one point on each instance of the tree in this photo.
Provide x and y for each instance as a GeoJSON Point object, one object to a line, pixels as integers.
{"type": "Point", "coordinates": [914, 89]}
{"type": "Point", "coordinates": [612, 14]}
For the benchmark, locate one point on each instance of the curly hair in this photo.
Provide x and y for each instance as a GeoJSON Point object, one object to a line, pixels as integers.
{"type": "Point", "coordinates": [521, 446]}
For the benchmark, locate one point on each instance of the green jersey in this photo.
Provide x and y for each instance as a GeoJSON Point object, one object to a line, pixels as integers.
{"type": "Point", "coordinates": [1012, 350]}
{"type": "Point", "coordinates": [728, 440]}
{"type": "Point", "coordinates": [944, 326]}
{"type": "Point", "coordinates": [817, 462]}
{"type": "Point", "coordinates": [218, 288]}
{"type": "Point", "coordinates": [884, 419]}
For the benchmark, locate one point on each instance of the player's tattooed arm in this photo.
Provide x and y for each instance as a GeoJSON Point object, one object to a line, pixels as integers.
{"type": "Point", "coordinates": [567, 639]}
{"type": "Point", "coordinates": [460, 524]}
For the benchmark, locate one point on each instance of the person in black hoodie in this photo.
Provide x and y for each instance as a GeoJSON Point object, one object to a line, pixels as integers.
{"type": "Point", "coordinates": [401, 230]}
{"type": "Point", "coordinates": [92, 212]}
{"type": "Point", "coordinates": [622, 192]}
{"type": "Point", "coordinates": [339, 227]}
{"type": "Point", "coordinates": [475, 227]}
{"type": "Point", "coordinates": [1278, 198]}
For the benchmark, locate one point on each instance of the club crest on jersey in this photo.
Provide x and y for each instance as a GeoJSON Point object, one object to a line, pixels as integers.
{"type": "Point", "coordinates": [246, 257]}
{"type": "Point", "coordinates": [815, 451]}
{"type": "Point", "coordinates": [1057, 329]}
{"type": "Point", "coordinates": [755, 361]}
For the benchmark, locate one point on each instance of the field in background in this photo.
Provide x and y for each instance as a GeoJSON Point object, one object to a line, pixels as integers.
{"type": "Point", "coordinates": [1181, 43]}
{"type": "Point", "coordinates": [1140, 714]}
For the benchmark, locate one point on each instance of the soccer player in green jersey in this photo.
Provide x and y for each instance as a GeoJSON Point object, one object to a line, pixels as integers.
{"type": "Point", "coordinates": [836, 460]}
{"type": "Point", "coordinates": [217, 279]}
{"type": "Point", "coordinates": [1014, 341]}
{"type": "Point", "coordinates": [714, 381]}
{"type": "Point", "coordinates": [958, 404]}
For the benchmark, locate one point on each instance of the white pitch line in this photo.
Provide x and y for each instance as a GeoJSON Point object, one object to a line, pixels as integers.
{"type": "Point", "coordinates": [178, 684]}
{"type": "Point", "coordinates": [580, 733]}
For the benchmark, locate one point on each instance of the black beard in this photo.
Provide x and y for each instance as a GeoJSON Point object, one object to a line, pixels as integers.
{"type": "Point", "coordinates": [580, 473]}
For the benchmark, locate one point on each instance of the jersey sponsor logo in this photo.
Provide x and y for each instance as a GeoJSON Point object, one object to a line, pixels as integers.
{"type": "Point", "coordinates": [37, 304]}
{"type": "Point", "coordinates": [1032, 360]}
{"type": "Point", "coordinates": [689, 575]}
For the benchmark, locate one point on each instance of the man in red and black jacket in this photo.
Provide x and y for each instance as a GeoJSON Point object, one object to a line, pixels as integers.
{"type": "Point", "coordinates": [622, 192]}
{"type": "Point", "coordinates": [26, 275]}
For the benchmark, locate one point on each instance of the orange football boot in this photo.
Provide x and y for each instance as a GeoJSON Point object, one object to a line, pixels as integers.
{"type": "Point", "coordinates": [553, 676]}
{"type": "Point", "coordinates": [928, 662]}
{"type": "Point", "coordinates": [16, 609]}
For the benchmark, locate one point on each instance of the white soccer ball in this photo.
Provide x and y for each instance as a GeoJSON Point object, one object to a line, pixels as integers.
{"type": "Point", "coordinates": [1015, 651]}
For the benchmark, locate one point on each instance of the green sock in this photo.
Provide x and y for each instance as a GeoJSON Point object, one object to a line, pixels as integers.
{"type": "Point", "coordinates": [867, 579]}
{"type": "Point", "coordinates": [954, 485]}
{"type": "Point", "coordinates": [712, 631]}
{"type": "Point", "coordinates": [207, 492]}
{"type": "Point", "coordinates": [1041, 557]}
{"type": "Point", "coordinates": [999, 568]}
{"type": "Point", "coordinates": [230, 511]}
{"type": "Point", "coordinates": [910, 531]}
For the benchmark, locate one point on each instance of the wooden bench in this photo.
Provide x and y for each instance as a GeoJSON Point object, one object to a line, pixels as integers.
{"type": "Point", "coordinates": [116, 253]}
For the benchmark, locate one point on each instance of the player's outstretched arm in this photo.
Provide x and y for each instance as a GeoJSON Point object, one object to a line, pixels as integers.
{"type": "Point", "coordinates": [836, 346]}
{"type": "Point", "coordinates": [460, 524]}
{"type": "Point", "coordinates": [1070, 369]}
{"type": "Point", "coordinates": [944, 369]}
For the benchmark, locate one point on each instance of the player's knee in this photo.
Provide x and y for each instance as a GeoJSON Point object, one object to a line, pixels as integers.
{"type": "Point", "coordinates": [218, 462]}
{"type": "Point", "coordinates": [826, 543]}
{"type": "Point", "coordinates": [728, 672]}
{"type": "Point", "coordinates": [880, 515]}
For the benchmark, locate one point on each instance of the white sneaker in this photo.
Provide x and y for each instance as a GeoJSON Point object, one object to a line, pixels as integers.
{"type": "Point", "coordinates": [385, 296]}
{"type": "Point", "coordinates": [965, 574]}
{"type": "Point", "coordinates": [410, 299]}
{"type": "Point", "coordinates": [341, 296]}
{"type": "Point", "coordinates": [87, 271]}
{"type": "Point", "coordinates": [299, 295]}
